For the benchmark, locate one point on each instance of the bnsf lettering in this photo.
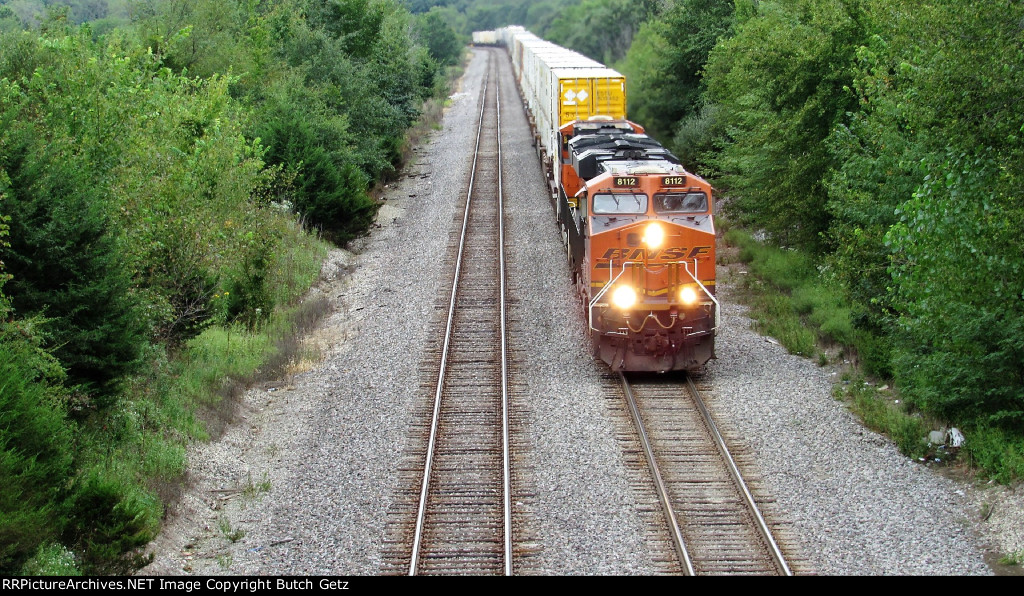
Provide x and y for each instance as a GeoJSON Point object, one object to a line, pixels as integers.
{"type": "Point", "coordinates": [667, 254]}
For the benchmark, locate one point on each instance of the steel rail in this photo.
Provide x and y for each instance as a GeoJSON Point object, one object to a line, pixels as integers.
{"type": "Point", "coordinates": [666, 505]}
{"type": "Point", "coordinates": [762, 527]}
{"type": "Point", "coordinates": [506, 442]}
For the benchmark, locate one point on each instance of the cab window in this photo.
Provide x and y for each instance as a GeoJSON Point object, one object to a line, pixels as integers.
{"type": "Point", "coordinates": [681, 202]}
{"type": "Point", "coordinates": [608, 203]}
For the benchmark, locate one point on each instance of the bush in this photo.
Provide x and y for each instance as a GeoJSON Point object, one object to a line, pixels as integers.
{"type": "Point", "coordinates": [65, 265]}
{"type": "Point", "coordinates": [329, 191]}
{"type": "Point", "coordinates": [52, 560]}
{"type": "Point", "coordinates": [35, 447]}
{"type": "Point", "coordinates": [180, 284]}
{"type": "Point", "coordinates": [999, 453]}
{"type": "Point", "coordinates": [881, 413]}
{"type": "Point", "coordinates": [110, 519]}
{"type": "Point", "coordinates": [875, 353]}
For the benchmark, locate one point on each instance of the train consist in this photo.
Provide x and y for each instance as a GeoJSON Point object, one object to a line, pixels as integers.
{"type": "Point", "coordinates": [638, 228]}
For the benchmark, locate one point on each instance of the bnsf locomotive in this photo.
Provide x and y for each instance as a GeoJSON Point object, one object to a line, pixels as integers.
{"type": "Point", "coordinates": [638, 228]}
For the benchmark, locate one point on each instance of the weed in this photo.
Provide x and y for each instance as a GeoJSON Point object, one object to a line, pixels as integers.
{"type": "Point", "coordinates": [884, 415]}
{"type": "Point", "coordinates": [52, 560]}
{"type": "Point", "coordinates": [225, 560]}
{"type": "Point", "coordinates": [255, 489]}
{"type": "Point", "coordinates": [999, 453]}
{"type": "Point", "coordinates": [1014, 558]}
{"type": "Point", "coordinates": [225, 529]}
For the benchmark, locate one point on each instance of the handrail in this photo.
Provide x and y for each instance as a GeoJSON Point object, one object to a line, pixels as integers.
{"type": "Point", "coordinates": [686, 267]}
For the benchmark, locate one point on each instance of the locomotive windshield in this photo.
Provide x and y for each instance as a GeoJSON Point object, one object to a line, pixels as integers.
{"type": "Point", "coordinates": [607, 203]}
{"type": "Point", "coordinates": [680, 202]}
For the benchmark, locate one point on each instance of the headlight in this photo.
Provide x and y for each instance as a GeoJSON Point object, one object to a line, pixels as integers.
{"type": "Point", "coordinates": [688, 295]}
{"type": "Point", "coordinates": [624, 297]}
{"type": "Point", "coordinates": [654, 235]}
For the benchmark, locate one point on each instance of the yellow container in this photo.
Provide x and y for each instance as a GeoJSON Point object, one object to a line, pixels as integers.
{"type": "Point", "coordinates": [592, 92]}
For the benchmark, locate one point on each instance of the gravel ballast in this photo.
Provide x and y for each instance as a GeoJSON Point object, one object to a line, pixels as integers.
{"type": "Point", "coordinates": [303, 481]}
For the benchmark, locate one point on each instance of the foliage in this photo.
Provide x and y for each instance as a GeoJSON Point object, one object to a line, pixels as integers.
{"type": "Point", "coordinates": [666, 61]}
{"type": "Point", "coordinates": [146, 220]}
{"type": "Point", "coordinates": [330, 67]}
{"type": "Point", "coordinates": [52, 560]}
{"type": "Point", "coordinates": [65, 265]}
{"type": "Point", "coordinates": [485, 16]}
{"type": "Point", "coordinates": [779, 83]}
{"type": "Point", "coordinates": [301, 132]}
{"type": "Point", "coordinates": [962, 353]}
{"type": "Point", "coordinates": [775, 274]}
{"type": "Point", "coordinates": [882, 413]}
{"type": "Point", "coordinates": [34, 12]}
{"type": "Point", "coordinates": [440, 38]}
{"type": "Point", "coordinates": [198, 37]}
{"type": "Point", "coordinates": [35, 462]}
{"type": "Point", "coordinates": [884, 137]}
{"type": "Point", "coordinates": [111, 518]}
{"type": "Point", "coordinates": [926, 201]}
{"type": "Point", "coordinates": [878, 153]}
{"type": "Point", "coordinates": [792, 303]}
{"type": "Point", "coordinates": [999, 453]}
{"type": "Point", "coordinates": [600, 29]}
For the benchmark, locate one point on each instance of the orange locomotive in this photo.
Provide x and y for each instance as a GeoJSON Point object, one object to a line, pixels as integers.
{"type": "Point", "coordinates": [638, 228]}
{"type": "Point", "coordinates": [641, 245]}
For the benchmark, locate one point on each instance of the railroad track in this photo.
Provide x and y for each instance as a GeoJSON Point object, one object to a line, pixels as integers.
{"type": "Point", "coordinates": [716, 526]}
{"type": "Point", "coordinates": [463, 511]}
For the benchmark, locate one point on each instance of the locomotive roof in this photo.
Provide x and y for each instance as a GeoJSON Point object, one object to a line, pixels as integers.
{"type": "Point", "coordinates": [639, 167]}
{"type": "Point", "coordinates": [612, 140]}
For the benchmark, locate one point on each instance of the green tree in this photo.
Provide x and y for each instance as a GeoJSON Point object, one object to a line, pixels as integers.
{"type": "Point", "coordinates": [667, 60]}
{"type": "Point", "coordinates": [958, 267]}
{"type": "Point", "coordinates": [600, 29]}
{"type": "Point", "coordinates": [956, 252]}
{"type": "Point", "coordinates": [303, 133]}
{"type": "Point", "coordinates": [65, 264]}
{"type": "Point", "coordinates": [434, 32]}
{"type": "Point", "coordinates": [878, 154]}
{"type": "Point", "coordinates": [779, 84]}
{"type": "Point", "coordinates": [200, 37]}
{"type": "Point", "coordinates": [34, 461]}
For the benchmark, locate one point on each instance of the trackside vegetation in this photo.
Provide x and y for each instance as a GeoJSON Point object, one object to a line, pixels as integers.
{"type": "Point", "coordinates": [171, 178]}
{"type": "Point", "coordinates": [875, 147]}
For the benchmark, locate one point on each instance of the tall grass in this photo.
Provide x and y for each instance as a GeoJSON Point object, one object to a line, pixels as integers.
{"type": "Point", "coordinates": [997, 452]}
{"type": "Point", "coordinates": [785, 294]}
{"type": "Point", "coordinates": [880, 411]}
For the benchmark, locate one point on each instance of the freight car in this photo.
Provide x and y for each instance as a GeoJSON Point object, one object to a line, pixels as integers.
{"type": "Point", "coordinates": [638, 228]}
{"type": "Point", "coordinates": [485, 38]}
